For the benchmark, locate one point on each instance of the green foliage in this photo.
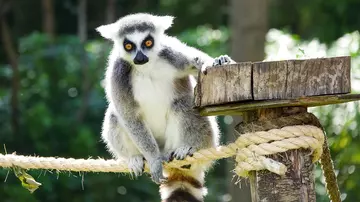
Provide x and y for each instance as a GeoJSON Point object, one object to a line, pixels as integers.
{"type": "Point", "coordinates": [342, 127]}
{"type": "Point", "coordinates": [212, 41]}
{"type": "Point", "coordinates": [325, 20]}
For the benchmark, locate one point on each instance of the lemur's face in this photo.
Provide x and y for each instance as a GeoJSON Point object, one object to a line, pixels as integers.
{"type": "Point", "coordinates": [139, 47]}
{"type": "Point", "coordinates": [136, 37]}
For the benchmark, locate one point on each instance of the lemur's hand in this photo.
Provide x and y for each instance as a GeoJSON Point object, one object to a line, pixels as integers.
{"type": "Point", "coordinates": [201, 64]}
{"type": "Point", "coordinates": [198, 63]}
{"type": "Point", "coordinates": [218, 61]}
{"type": "Point", "coordinates": [156, 170]}
{"type": "Point", "coordinates": [223, 60]}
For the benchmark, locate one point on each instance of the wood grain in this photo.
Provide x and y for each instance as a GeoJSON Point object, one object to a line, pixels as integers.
{"type": "Point", "coordinates": [296, 186]}
{"type": "Point", "coordinates": [297, 78]}
{"type": "Point", "coordinates": [273, 80]}
{"type": "Point", "coordinates": [228, 84]}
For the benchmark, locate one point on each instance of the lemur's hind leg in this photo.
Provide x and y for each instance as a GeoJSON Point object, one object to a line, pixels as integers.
{"type": "Point", "coordinates": [120, 145]}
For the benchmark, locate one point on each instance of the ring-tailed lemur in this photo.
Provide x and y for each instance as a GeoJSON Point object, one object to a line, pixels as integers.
{"type": "Point", "coordinates": [150, 115]}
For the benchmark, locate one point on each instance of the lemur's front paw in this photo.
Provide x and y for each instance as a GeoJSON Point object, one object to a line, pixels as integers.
{"type": "Point", "coordinates": [156, 170]}
{"type": "Point", "coordinates": [222, 60]}
{"type": "Point", "coordinates": [201, 64]}
{"type": "Point", "coordinates": [179, 153]}
{"type": "Point", "coordinates": [136, 165]}
{"type": "Point", "coordinates": [197, 63]}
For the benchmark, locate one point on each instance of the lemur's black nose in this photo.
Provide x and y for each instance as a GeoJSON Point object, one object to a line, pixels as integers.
{"type": "Point", "coordinates": [140, 58]}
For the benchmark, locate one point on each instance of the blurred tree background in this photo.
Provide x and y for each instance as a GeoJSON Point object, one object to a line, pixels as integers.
{"type": "Point", "coordinates": [52, 101]}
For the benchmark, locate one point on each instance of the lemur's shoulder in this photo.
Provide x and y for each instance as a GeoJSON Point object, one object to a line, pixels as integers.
{"type": "Point", "coordinates": [174, 44]}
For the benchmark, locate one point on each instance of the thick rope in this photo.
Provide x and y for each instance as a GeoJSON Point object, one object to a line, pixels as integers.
{"type": "Point", "coordinates": [62, 164]}
{"type": "Point", "coordinates": [299, 119]}
{"type": "Point", "coordinates": [258, 143]}
{"type": "Point", "coordinates": [253, 157]}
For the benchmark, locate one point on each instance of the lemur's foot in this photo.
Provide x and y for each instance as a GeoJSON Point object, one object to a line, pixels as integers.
{"type": "Point", "coordinates": [156, 170]}
{"type": "Point", "coordinates": [136, 165]}
{"type": "Point", "coordinates": [223, 60]}
{"type": "Point", "coordinates": [179, 153]}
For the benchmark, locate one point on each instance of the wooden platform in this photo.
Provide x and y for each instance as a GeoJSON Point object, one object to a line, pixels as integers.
{"type": "Point", "coordinates": [230, 89]}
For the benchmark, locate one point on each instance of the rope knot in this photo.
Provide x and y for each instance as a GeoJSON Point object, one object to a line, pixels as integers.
{"type": "Point", "coordinates": [255, 147]}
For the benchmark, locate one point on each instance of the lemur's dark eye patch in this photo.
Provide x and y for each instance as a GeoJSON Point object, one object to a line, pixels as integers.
{"type": "Point", "coordinates": [148, 42]}
{"type": "Point", "coordinates": [128, 45]}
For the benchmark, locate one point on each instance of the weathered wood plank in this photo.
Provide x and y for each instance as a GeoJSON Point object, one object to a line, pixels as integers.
{"type": "Point", "coordinates": [228, 83]}
{"type": "Point", "coordinates": [312, 101]}
{"type": "Point", "coordinates": [296, 78]}
{"type": "Point", "coordinates": [273, 80]}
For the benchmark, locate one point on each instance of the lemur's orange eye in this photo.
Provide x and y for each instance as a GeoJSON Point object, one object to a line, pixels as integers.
{"type": "Point", "coordinates": [148, 43]}
{"type": "Point", "coordinates": [128, 46]}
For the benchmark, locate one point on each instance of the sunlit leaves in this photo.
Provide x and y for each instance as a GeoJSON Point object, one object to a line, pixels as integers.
{"type": "Point", "coordinates": [212, 41]}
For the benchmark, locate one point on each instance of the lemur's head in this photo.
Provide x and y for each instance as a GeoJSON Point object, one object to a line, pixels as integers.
{"type": "Point", "coordinates": [136, 37]}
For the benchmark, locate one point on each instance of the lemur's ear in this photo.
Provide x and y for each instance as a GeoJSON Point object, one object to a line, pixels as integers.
{"type": "Point", "coordinates": [107, 31]}
{"type": "Point", "coordinates": [165, 22]}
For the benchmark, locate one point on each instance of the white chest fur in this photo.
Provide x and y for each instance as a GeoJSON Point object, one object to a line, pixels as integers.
{"type": "Point", "coordinates": [153, 89]}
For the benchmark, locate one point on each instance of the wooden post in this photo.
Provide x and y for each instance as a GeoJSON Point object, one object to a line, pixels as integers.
{"type": "Point", "coordinates": [268, 90]}
{"type": "Point", "coordinates": [298, 182]}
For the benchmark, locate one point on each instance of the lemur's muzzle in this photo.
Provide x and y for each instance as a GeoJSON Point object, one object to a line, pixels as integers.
{"type": "Point", "coordinates": [140, 58]}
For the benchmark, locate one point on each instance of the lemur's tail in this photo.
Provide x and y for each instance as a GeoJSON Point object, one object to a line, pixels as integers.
{"type": "Point", "coordinates": [184, 185]}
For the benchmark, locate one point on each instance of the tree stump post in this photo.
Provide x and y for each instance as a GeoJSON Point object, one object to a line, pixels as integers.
{"type": "Point", "coordinates": [298, 182]}
{"type": "Point", "coordinates": [263, 91]}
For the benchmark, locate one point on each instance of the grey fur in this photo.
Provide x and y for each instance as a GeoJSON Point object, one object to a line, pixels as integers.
{"type": "Point", "coordinates": [177, 59]}
{"type": "Point", "coordinates": [141, 27]}
{"type": "Point", "coordinates": [122, 78]}
{"type": "Point", "coordinates": [197, 129]}
{"type": "Point", "coordinates": [113, 118]}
